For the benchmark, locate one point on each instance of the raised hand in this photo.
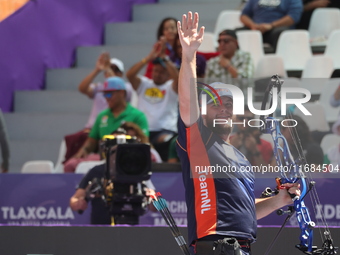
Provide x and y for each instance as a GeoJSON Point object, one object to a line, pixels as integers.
{"type": "Point", "coordinates": [103, 61]}
{"type": "Point", "coordinates": [189, 37]}
{"type": "Point", "coordinates": [155, 51]}
{"type": "Point", "coordinates": [162, 41]}
{"type": "Point", "coordinates": [224, 62]}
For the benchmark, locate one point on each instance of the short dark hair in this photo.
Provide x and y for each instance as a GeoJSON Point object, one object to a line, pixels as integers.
{"type": "Point", "coordinates": [115, 69]}
{"type": "Point", "coordinates": [159, 61]}
{"type": "Point", "coordinates": [161, 26]}
{"type": "Point", "coordinates": [229, 32]}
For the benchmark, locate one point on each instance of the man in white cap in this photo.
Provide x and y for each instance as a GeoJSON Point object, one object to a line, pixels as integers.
{"type": "Point", "coordinates": [109, 67]}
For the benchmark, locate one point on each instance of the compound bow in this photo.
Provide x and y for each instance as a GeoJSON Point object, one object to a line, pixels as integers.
{"type": "Point", "coordinates": [295, 174]}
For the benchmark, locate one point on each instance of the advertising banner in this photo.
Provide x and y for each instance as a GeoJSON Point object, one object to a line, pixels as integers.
{"type": "Point", "coordinates": [43, 199]}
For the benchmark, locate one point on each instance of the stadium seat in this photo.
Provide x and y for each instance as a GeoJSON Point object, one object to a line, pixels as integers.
{"type": "Point", "coordinates": [332, 48]}
{"type": "Point", "coordinates": [294, 48]}
{"type": "Point", "coordinates": [269, 65]}
{"type": "Point", "coordinates": [314, 86]}
{"type": "Point", "coordinates": [322, 23]}
{"type": "Point", "coordinates": [208, 43]}
{"type": "Point", "coordinates": [316, 73]}
{"type": "Point", "coordinates": [228, 19]}
{"type": "Point", "coordinates": [37, 167]}
{"type": "Point", "coordinates": [251, 41]}
{"type": "Point", "coordinates": [59, 167]}
{"type": "Point", "coordinates": [329, 141]}
{"type": "Point", "coordinates": [319, 66]}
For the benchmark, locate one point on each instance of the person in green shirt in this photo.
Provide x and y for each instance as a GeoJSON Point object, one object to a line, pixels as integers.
{"type": "Point", "coordinates": [107, 121]}
{"type": "Point", "coordinates": [172, 155]}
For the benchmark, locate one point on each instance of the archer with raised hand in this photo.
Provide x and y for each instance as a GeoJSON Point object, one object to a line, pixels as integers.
{"type": "Point", "coordinates": [222, 209]}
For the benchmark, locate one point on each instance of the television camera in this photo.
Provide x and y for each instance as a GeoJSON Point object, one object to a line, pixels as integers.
{"type": "Point", "coordinates": [128, 166]}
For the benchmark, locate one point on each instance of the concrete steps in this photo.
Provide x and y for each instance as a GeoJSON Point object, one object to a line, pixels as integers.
{"type": "Point", "coordinates": [141, 33]}
{"type": "Point", "coordinates": [68, 79]}
{"type": "Point", "coordinates": [26, 150]}
{"type": "Point", "coordinates": [37, 136]}
{"type": "Point", "coordinates": [42, 118]}
{"type": "Point", "coordinates": [131, 33]}
{"type": "Point", "coordinates": [208, 10]}
{"type": "Point", "coordinates": [129, 54]}
{"type": "Point", "coordinates": [43, 126]}
{"type": "Point", "coordinates": [62, 101]}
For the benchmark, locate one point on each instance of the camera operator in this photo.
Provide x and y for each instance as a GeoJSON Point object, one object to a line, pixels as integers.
{"type": "Point", "coordinates": [91, 188]}
{"type": "Point", "coordinates": [100, 214]}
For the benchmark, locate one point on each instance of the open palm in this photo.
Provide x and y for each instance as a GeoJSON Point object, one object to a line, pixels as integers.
{"type": "Point", "coordinates": [187, 31]}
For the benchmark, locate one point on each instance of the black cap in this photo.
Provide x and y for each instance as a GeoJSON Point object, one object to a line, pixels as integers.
{"type": "Point", "coordinates": [229, 32]}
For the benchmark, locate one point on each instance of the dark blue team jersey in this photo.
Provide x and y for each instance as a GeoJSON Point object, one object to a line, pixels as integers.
{"type": "Point", "coordinates": [219, 185]}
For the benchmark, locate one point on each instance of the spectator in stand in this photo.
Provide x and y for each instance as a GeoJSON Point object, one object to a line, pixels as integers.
{"type": "Point", "coordinates": [248, 140]}
{"type": "Point", "coordinates": [231, 63]}
{"type": "Point", "coordinates": [308, 8]}
{"type": "Point", "coordinates": [157, 97]}
{"type": "Point", "coordinates": [109, 67]}
{"type": "Point", "coordinates": [271, 17]}
{"type": "Point", "coordinates": [172, 154]}
{"type": "Point", "coordinates": [167, 33]}
{"type": "Point", "coordinates": [243, 3]}
{"type": "Point", "coordinates": [4, 145]}
{"type": "Point", "coordinates": [107, 121]}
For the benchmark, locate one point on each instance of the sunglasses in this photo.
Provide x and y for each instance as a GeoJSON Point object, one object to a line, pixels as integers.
{"type": "Point", "coordinates": [226, 41]}
{"type": "Point", "coordinates": [108, 94]}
